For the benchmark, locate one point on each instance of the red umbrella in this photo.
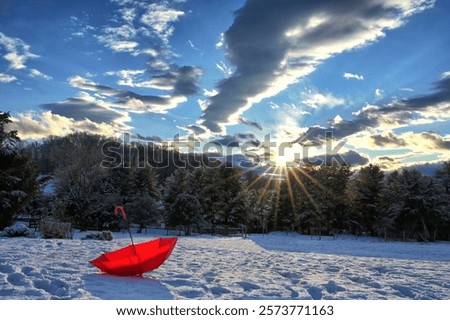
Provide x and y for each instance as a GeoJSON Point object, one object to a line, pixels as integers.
{"type": "Point", "coordinates": [136, 259]}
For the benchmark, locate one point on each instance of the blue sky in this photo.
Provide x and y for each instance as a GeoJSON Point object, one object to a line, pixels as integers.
{"type": "Point", "coordinates": [374, 73]}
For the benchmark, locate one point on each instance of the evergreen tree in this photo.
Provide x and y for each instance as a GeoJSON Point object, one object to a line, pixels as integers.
{"type": "Point", "coordinates": [143, 210]}
{"type": "Point", "coordinates": [443, 175]}
{"type": "Point", "coordinates": [18, 175]}
{"type": "Point", "coordinates": [174, 186]}
{"type": "Point", "coordinates": [367, 193]}
{"type": "Point", "coordinates": [415, 204]}
{"type": "Point", "coordinates": [185, 211]}
{"type": "Point", "coordinates": [232, 205]}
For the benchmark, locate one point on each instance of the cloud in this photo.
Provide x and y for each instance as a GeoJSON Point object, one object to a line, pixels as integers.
{"type": "Point", "coordinates": [138, 19]}
{"type": "Point", "coordinates": [387, 140]}
{"type": "Point", "coordinates": [350, 157]}
{"type": "Point", "coordinates": [250, 123]}
{"type": "Point", "coordinates": [148, 138]}
{"type": "Point", "coordinates": [348, 76]}
{"type": "Point", "coordinates": [34, 73]}
{"type": "Point", "coordinates": [424, 109]}
{"type": "Point", "coordinates": [126, 77]}
{"type": "Point", "coordinates": [181, 80]}
{"type": "Point", "coordinates": [193, 129]}
{"type": "Point", "coordinates": [38, 126]}
{"type": "Point", "coordinates": [378, 93]}
{"type": "Point", "coordinates": [237, 139]}
{"type": "Point", "coordinates": [445, 75]}
{"type": "Point", "coordinates": [6, 78]}
{"type": "Point", "coordinates": [18, 52]}
{"type": "Point", "coordinates": [87, 107]}
{"type": "Point", "coordinates": [181, 83]}
{"type": "Point", "coordinates": [273, 44]}
{"type": "Point", "coordinates": [417, 142]}
{"type": "Point", "coordinates": [160, 18]}
{"type": "Point", "coordinates": [318, 100]}
{"type": "Point", "coordinates": [227, 71]}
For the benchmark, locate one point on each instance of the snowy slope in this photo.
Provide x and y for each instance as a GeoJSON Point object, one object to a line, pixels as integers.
{"type": "Point", "coordinates": [277, 266]}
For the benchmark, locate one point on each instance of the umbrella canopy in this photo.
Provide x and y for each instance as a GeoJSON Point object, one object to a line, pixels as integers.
{"type": "Point", "coordinates": [137, 259]}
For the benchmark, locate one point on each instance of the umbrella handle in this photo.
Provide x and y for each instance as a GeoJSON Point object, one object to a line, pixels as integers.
{"type": "Point", "coordinates": [119, 209]}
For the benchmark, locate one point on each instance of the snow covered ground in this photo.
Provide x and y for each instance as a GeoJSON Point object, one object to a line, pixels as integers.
{"type": "Point", "coordinates": [277, 266]}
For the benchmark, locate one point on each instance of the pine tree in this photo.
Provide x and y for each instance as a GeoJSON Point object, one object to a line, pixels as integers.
{"type": "Point", "coordinates": [443, 175]}
{"type": "Point", "coordinates": [174, 186]}
{"type": "Point", "coordinates": [18, 175]}
{"type": "Point", "coordinates": [232, 206]}
{"type": "Point", "coordinates": [415, 204]}
{"type": "Point", "coordinates": [368, 187]}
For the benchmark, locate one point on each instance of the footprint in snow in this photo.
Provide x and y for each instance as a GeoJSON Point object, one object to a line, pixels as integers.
{"type": "Point", "coordinates": [333, 287]}
{"type": "Point", "coordinates": [18, 279]}
{"type": "Point", "coordinates": [54, 287]}
{"type": "Point", "coordinates": [218, 291]}
{"type": "Point", "coordinates": [248, 286]}
{"type": "Point", "coordinates": [6, 268]}
{"type": "Point", "coordinates": [315, 292]}
{"type": "Point", "coordinates": [30, 271]}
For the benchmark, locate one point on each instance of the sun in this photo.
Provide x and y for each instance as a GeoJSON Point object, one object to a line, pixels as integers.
{"type": "Point", "coordinates": [285, 159]}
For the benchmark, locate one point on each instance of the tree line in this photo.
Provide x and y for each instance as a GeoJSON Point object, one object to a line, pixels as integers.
{"type": "Point", "coordinates": [62, 177]}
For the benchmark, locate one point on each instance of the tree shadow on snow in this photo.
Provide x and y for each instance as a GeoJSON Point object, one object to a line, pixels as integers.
{"type": "Point", "coordinates": [109, 287]}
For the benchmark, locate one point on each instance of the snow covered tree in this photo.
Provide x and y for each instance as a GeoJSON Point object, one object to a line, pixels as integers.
{"type": "Point", "coordinates": [205, 184]}
{"type": "Point", "coordinates": [232, 206]}
{"type": "Point", "coordinates": [174, 186]}
{"type": "Point", "coordinates": [261, 207]}
{"type": "Point", "coordinates": [143, 197]}
{"type": "Point", "coordinates": [324, 198]}
{"type": "Point", "coordinates": [184, 211]}
{"type": "Point", "coordinates": [367, 191]}
{"type": "Point", "coordinates": [443, 175]}
{"type": "Point", "coordinates": [415, 204]}
{"type": "Point", "coordinates": [83, 192]}
{"type": "Point", "coordinates": [143, 210]}
{"type": "Point", "coordinates": [18, 175]}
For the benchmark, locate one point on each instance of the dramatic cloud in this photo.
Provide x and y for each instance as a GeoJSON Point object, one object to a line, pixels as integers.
{"type": "Point", "coordinates": [6, 78]}
{"type": "Point", "coordinates": [419, 110]}
{"type": "Point", "coordinates": [17, 52]}
{"type": "Point", "coordinates": [181, 80]}
{"type": "Point", "coordinates": [349, 157]}
{"type": "Point", "coordinates": [274, 43]}
{"type": "Point", "coordinates": [181, 83]}
{"type": "Point", "coordinates": [417, 142]}
{"type": "Point", "coordinates": [38, 126]}
{"type": "Point", "coordinates": [347, 76]}
{"type": "Point", "coordinates": [388, 140]}
{"type": "Point", "coordinates": [87, 107]}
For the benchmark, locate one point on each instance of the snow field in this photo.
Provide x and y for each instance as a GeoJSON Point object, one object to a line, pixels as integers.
{"type": "Point", "coordinates": [277, 266]}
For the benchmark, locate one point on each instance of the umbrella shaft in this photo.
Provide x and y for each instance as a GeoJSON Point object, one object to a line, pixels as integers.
{"type": "Point", "coordinates": [131, 237]}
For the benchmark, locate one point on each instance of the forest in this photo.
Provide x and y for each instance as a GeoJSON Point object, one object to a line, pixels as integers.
{"type": "Point", "coordinates": [76, 179]}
